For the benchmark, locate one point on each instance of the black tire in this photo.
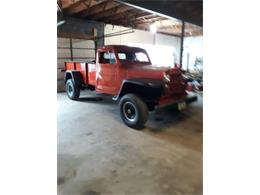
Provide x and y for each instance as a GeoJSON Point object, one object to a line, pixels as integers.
{"type": "Point", "coordinates": [72, 90]}
{"type": "Point", "coordinates": [133, 111]}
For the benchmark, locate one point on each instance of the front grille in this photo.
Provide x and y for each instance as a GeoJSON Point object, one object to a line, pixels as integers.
{"type": "Point", "coordinates": [176, 78]}
{"type": "Point", "coordinates": [175, 86]}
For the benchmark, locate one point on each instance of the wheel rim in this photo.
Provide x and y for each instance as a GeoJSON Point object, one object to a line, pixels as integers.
{"type": "Point", "coordinates": [70, 90]}
{"type": "Point", "coordinates": [129, 111]}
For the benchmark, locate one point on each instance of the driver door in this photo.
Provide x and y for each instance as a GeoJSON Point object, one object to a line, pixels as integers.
{"type": "Point", "coordinates": [106, 72]}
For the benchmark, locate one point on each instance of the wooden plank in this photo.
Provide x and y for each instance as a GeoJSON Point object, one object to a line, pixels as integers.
{"type": "Point", "coordinates": [191, 31]}
{"type": "Point", "coordinates": [119, 9]}
{"type": "Point", "coordinates": [75, 35]}
{"type": "Point", "coordinates": [173, 27]}
{"type": "Point", "coordinates": [83, 48]}
{"type": "Point", "coordinates": [149, 21]}
{"type": "Point", "coordinates": [194, 33]}
{"type": "Point", "coordinates": [124, 17]}
{"type": "Point", "coordinates": [77, 7]}
{"type": "Point", "coordinates": [146, 16]}
{"type": "Point", "coordinates": [99, 7]}
{"type": "Point", "coordinates": [169, 34]}
{"type": "Point", "coordinates": [66, 3]}
{"type": "Point", "coordinates": [178, 31]}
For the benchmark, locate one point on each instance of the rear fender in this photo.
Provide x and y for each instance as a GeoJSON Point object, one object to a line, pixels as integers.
{"type": "Point", "coordinates": [75, 76]}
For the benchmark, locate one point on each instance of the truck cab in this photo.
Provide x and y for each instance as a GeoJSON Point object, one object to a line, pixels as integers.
{"type": "Point", "coordinates": [128, 75]}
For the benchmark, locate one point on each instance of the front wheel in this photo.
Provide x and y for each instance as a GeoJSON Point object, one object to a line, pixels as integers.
{"type": "Point", "coordinates": [133, 111]}
{"type": "Point", "coordinates": [72, 90]}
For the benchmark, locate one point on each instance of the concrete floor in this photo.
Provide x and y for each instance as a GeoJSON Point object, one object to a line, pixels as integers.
{"type": "Point", "coordinates": [98, 154]}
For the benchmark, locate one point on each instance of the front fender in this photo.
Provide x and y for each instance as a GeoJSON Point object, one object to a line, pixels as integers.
{"type": "Point", "coordinates": [148, 89]}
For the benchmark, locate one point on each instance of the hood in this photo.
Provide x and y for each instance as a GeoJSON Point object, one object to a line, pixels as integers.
{"type": "Point", "coordinates": [147, 71]}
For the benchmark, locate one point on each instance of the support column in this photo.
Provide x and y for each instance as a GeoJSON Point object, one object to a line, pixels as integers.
{"type": "Point", "coordinates": [182, 37]}
{"type": "Point", "coordinates": [95, 45]}
{"type": "Point", "coordinates": [188, 61]}
{"type": "Point", "coordinates": [71, 50]}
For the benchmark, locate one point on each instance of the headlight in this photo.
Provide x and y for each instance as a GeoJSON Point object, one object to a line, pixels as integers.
{"type": "Point", "coordinates": [166, 77]}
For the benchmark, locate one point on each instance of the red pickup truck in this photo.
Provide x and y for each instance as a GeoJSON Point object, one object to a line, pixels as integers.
{"type": "Point", "coordinates": [127, 74]}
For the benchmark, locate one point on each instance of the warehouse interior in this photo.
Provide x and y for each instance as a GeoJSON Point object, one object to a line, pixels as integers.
{"type": "Point", "coordinates": [97, 153]}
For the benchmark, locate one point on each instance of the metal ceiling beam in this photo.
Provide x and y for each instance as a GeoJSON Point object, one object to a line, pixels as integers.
{"type": "Point", "coordinates": [171, 9]}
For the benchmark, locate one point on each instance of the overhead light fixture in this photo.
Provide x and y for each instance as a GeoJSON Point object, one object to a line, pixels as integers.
{"type": "Point", "coordinates": [153, 28]}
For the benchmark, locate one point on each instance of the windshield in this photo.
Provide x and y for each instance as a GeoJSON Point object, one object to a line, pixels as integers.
{"type": "Point", "coordinates": [133, 56]}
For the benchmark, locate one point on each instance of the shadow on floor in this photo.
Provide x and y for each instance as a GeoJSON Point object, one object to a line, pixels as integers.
{"type": "Point", "coordinates": [183, 128]}
{"type": "Point", "coordinates": [101, 99]}
{"type": "Point", "coordinates": [90, 99]}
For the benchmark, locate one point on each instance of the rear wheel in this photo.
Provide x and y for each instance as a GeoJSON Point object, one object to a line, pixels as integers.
{"type": "Point", "coordinates": [133, 111]}
{"type": "Point", "coordinates": [72, 90]}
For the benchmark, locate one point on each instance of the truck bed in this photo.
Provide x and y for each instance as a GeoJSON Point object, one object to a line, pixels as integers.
{"type": "Point", "coordinates": [86, 69]}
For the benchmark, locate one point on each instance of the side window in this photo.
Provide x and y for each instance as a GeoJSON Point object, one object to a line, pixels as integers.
{"type": "Point", "coordinates": [107, 58]}
{"type": "Point", "coordinates": [141, 57]}
{"type": "Point", "coordinates": [126, 56]}
{"type": "Point", "coordinates": [122, 56]}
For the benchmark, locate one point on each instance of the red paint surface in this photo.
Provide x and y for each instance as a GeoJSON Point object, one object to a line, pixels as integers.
{"type": "Point", "coordinates": [108, 78]}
